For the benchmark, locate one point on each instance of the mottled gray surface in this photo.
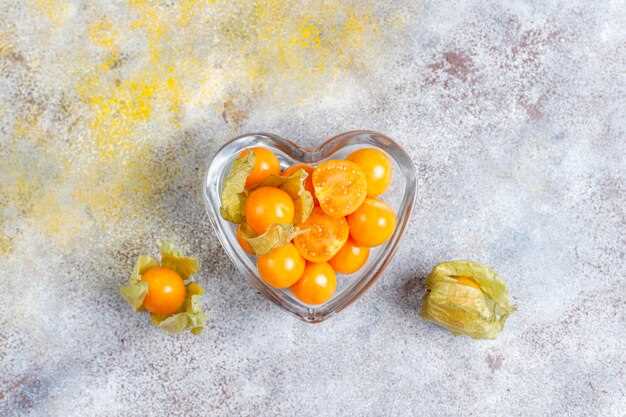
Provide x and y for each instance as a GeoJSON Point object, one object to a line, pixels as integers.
{"type": "Point", "coordinates": [513, 115]}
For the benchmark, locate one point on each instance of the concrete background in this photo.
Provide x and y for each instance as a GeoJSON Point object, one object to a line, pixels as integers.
{"type": "Point", "coordinates": [513, 115]}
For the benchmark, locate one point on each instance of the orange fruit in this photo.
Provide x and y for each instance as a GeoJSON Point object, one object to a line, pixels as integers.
{"type": "Point", "coordinates": [340, 187]}
{"type": "Point", "coordinates": [317, 284]}
{"type": "Point", "coordinates": [377, 168]}
{"type": "Point", "coordinates": [322, 236]}
{"type": "Point", "coordinates": [266, 206]}
{"type": "Point", "coordinates": [372, 223]}
{"type": "Point", "coordinates": [281, 267]}
{"type": "Point", "coordinates": [265, 164]}
{"type": "Point", "coordinates": [166, 291]}
{"type": "Point", "coordinates": [242, 242]}
{"type": "Point", "coordinates": [350, 258]}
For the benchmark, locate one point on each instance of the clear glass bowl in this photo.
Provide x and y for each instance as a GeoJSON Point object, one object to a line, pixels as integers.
{"type": "Point", "coordinates": [400, 195]}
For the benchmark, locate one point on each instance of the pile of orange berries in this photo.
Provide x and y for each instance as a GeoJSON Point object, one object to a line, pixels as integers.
{"type": "Point", "coordinates": [347, 220]}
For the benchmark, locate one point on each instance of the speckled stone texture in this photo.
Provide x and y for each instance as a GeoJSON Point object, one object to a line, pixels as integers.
{"type": "Point", "coordinates": [513, 113]}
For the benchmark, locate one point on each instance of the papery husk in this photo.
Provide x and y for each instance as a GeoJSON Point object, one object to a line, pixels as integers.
{"type": "Point", "coordinates": [172, 258]}
{"type": "Point", "coordinates": [276, 235]}
{"type": "Point", "coordinates": [234, 193]}
{"type": "Point", "coordinates": [135, 290]}
{"type": "Point", "coordinates": [464, 309]}
{"type": "Point", "coordinates": [190, 318]}
{"type": "Point", "coordinates": [294, 186]}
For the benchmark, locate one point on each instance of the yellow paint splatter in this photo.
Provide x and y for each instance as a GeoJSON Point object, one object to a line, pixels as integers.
{"type": "Point", "coordinates": [6, 46]}
{"type": "Point", "coordinates": [308, 34]}
{"type": "Point", "coordinates": [197, 56]}
{"type": "Point", "coordinates": [33, 180]}
{"type": "Point", "coordinates": [6, 244]}
{"type": "Point", "coordinates": [117, 110]}
{"type": "Point", "coordinates": [29, 128]}
{"type": "Point", "coordinates": [103, 34]}
{"type": "Point", "coordinates": [56, 218]}
{"type": "Point", "coordinates": [191, 8]}
{"type": "Point", "coordinates": [151, 21]}
{"type": "Point", "coordinates": [308, 45]}
{"type": "Point", "coordinates": [127, 177]}
{"type": "Point", "coordinates": [124, 188]}
{"type": "Point", "coordinates": [57, 11]}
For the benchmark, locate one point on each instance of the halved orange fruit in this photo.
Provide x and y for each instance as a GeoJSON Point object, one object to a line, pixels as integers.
{"type": "Point", "coordinates": [322, 236]}
{"type": "Point", "coordinates": [340, 187]}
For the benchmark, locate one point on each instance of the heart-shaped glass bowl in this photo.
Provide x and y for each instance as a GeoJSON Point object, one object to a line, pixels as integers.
{"type": "Point", "coordinates": [400, 196]}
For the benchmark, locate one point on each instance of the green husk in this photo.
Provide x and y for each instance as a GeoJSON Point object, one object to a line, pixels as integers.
{"type": "Point", "coordinates": [463, 309]}
{"type": "Point", "coordinates": [275, 236]}
{"type": "Point", "coordinates": [172, 258]}
{"type": "Point", "coordinates": [294, 186]}
{"type": "Point", "coordinates": [134, 292]}
{"type": "Point", "coordinates": [190, 317]}
{"type": "Point", "coordinates": [234, 193]}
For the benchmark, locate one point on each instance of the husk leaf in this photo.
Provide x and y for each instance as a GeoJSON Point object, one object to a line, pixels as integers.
{"type": "Point", "coordinates": [190, 318]}
{"type": "Point", "coordinates": [294, 186]}
{"type": "Point", "coordinates": [275, 236]}
{"type": "Point", "coordinates": [172, 258]}
{"type": "Point", "coordinates": [234, 193]}
{"type": "Point", "coordinates": [134, 292]}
